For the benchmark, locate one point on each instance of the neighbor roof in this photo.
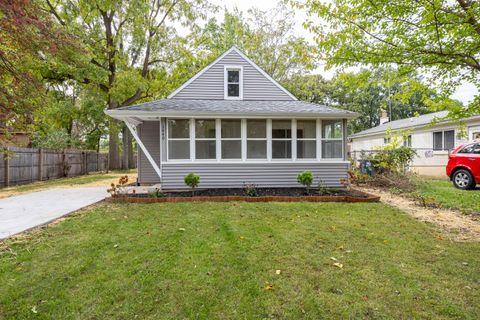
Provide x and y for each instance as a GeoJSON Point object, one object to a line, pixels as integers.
{"type": "Point", "coordinates": [177, 107]}
{"type": "Point", "coordinates": [402, 124]}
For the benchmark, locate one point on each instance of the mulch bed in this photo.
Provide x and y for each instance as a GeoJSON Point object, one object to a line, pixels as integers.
{"type": "Point", "coordinates": [263, 195]}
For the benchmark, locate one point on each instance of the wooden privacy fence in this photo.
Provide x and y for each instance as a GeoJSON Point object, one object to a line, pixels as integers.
{"type": "Point", "coordinates": [26, 165]}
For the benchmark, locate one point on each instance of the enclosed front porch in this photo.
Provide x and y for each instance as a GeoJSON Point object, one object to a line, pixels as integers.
{"type": "Point", "coordinates": [231, 152]}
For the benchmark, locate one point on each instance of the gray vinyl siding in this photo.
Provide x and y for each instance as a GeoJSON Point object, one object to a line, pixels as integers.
{"type": "Point", "coordinates": [234, 175]}
{"type": "Point", "coordinates": [149, 132]}
{"type": "Point", "coordinates": [210, 85]}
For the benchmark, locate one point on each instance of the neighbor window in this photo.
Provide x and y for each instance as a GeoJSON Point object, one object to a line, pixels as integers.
{"type": "Point", "coordinates": [281, 139]}
{"type": "Point", "coordinates": [178, 139]}
{"type": "Point", "coordinates": [407, 141]}
{"type": "Point", "coordinates": [444, 140]}
{"type": "Point", "coordinates": [233, 82]}
{"type": "Point", "coordinates": [205, 139]}
{"type": "Point", "coordinates": [231, 137]}
{"type": "Point", "coordinates": [332, 139]}
{"type": "Point", "coordinates": [256, 139]}
{"type": "Point", "coordinates": [306, 139]}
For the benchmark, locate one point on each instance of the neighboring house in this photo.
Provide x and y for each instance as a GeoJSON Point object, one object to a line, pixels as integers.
{"type": "Point", "coordinates": [433, 142]}
{"type": "Point", "coordinates": [233, 124]}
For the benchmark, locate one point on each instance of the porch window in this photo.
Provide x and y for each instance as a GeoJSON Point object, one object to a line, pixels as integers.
{"type": "Point", "coordinates": [231, 136]}
{"type": "Point", "coordinates": [332, 139]}
{"type": "Point", "coordinates": [178, 139]}
{"type": "Point", "coordinates": [205, 139]}
{"type": "Point", "coordinates": [281, 139]}
{"type": "Point", "coordinates": [306, 139]}
{"type": "Point", "coordinates": [256, 139]}
{"type": "Point", "coordinates": [233, 82]}
{"type": "Point", "coordinates": [444, 140]}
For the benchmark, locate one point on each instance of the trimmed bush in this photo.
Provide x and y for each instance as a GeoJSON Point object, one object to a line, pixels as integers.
{"type": "Point", "coordinates": [192, 180]}
{"type": "Point", "coordinates": [305, 178]}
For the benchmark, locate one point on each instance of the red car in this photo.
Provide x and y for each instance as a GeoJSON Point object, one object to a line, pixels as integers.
{"type": "Point", "coordinates": [463, 166]}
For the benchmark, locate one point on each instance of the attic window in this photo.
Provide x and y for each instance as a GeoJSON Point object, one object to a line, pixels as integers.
{"type": "Point", "coordinates": [233, 82]}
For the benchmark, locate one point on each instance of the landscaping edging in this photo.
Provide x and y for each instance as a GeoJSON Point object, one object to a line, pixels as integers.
{"type": "Point", "coordinates": [362, 197]}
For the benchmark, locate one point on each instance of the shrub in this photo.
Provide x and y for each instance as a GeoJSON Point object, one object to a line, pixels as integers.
{"type": "Point", "coordinates": [119, 188]}
{"type": "Point", "coordinates": [192, 180]}
{"type": "Point", "coordinates": [305, 178]}
{"type": "Point", "coordinates": [157, 193]}
{"type": "Point", "coordinates": [250, 190]}
{"type": "Point", "coordinates": [392, 159]}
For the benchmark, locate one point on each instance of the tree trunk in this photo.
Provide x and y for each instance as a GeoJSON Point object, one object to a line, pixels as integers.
{"type": "Point", "coordinates": [113, 145]}
{"type": "Point", "coordinates": [131, 158]}
{"type": "Point", "coordinates": [126, 148]}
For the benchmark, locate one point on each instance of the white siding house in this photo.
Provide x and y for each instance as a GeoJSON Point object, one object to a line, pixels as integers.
{"type": "Point", "coordinates": [433, 142]}
{"type": "Point", "coordinates": [233, 124]}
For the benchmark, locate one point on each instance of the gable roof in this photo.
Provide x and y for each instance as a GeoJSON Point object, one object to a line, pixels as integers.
{"type": "Point", "coordinates": [412, 122]}
{"type": "Point", "coordinates": [244, 57]}
{"type": "Point", "coordinates": [178, 107]}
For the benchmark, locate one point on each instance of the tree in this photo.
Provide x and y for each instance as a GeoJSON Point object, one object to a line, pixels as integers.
{"type": "Point", "coordinates": [29, 39]}
{"type": "Point", "coordinates": [124, 41]}
{"type": "Point", "coordinates": [368, 92]}
{"type": "Point", "coordinates": [264, 36]}
{"type": "Point", "coordinates": [440, 36]}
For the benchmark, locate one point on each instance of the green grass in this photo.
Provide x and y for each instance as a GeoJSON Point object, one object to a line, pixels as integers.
{"type": "Point", "coordinates": [444, 194]}
{"type": "Point", "coordinates": [79, 180]}
{"type": "Point", "coordinates": [214, 260]}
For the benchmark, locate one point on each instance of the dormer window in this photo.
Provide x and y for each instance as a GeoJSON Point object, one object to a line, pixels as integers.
{"type": "Point", "coordinates": [233, 82]}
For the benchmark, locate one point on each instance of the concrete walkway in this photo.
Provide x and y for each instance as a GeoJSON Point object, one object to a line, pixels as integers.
{"type": "Point", "coordinates": [23, 212]}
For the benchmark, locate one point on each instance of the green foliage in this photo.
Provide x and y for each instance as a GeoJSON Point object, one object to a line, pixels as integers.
{"type": "Point", "coordinates": [250, 190]}
{"type": "Point", "coordinates": [192, 180]}
{"type": "Point", "coordinates": [267, 37]}
{"type": "Point", "coordinates": [392, 157]}
{"type": "Point", "coordinates": [157, 193]}
{"type": "Point", "coordinates": [305, 178]}
{"type": "Point", "coordinates": [369, 92]}
{"type": "Point", "coordinates": [441, 37]}
{"type": "Point", "coordinates": [56, 139]}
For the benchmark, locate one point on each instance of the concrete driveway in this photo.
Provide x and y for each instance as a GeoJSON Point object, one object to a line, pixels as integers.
{"type": "Point", "coordinates": [23, 212]}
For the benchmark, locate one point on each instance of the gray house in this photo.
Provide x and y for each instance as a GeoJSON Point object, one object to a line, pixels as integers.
{"type": "Point", "coordinates": [233, 124]}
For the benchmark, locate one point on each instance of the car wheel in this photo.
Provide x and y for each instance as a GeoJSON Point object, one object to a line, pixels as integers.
{"type": "Point", "coordinates": [462, 179]}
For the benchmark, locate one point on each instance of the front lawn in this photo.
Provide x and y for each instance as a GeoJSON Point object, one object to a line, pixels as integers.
{"type": "Point", "coordinates": [444, 194]}
{"type": "Point", "coordinates": [239, 261]}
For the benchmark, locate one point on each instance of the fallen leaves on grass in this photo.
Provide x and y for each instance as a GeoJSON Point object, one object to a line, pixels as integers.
{"type": "Point", "coordinates": [269, 286]}
{"type": "Point", "coordinates": [278, 271]}
{"type": "Point", "coordinates": [338, 265]}
{"type": "Point", "coordinates": [182, 229]}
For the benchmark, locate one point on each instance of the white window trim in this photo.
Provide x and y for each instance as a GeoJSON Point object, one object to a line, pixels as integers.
{"type": "Point", "coordinates": [244, 140]}
{"type": "Point", "coordinates": [226, 68]}
{"type": "Point", "coordinates": [334, 139]}
{"type": "Point", "coordinates": [443, 140]}
{"type": "Point", "coordinates": [316, 139]}
{"type": "Point", "coordinates": [291, 139]}
{"type": "Point", "coordinates": [167, 139]}
{"type": "Point", "coordinates": [220, 139]}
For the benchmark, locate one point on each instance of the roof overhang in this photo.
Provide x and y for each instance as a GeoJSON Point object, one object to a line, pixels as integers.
{"type": "Point", "coordinates": [413, 127]}
{"type": "Point", "coordinates": [155, 115]}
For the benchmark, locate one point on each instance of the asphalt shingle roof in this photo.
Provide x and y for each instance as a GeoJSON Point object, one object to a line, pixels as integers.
{"type": "Point", "coordinates": [402, 124]}
{"type": "Point", "coordinates": [237, 107]}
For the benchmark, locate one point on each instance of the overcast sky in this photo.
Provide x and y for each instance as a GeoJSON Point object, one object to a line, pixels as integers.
{"type": "Point", "coordinates": [464, 92]}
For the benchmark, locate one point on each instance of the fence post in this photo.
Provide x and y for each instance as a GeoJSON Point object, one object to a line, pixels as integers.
{"type": "Point", "coordinates": [86, 162]}
{"type": "Point", "coordinates": [6, 159]}
{"type": "Point", "coordinates": [40, 164]}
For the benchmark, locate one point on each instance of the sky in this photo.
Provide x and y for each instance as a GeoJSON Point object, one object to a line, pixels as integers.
{"type": "Point", "coordinates": [464, 92]}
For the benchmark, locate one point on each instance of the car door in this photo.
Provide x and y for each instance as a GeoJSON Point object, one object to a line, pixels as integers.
{"type": "Point", "coordinates": [469, 157]}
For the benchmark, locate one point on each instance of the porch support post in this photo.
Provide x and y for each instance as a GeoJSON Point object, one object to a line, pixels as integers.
{"type": "Point", "coordinates": [132, 126]}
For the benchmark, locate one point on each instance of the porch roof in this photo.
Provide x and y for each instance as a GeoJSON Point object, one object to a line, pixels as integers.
{"type": "Point", "coordinates": [267, 108]}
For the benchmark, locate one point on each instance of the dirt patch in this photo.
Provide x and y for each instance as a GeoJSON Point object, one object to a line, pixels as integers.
{"type": "Point", "coordinates": [454, 224]}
